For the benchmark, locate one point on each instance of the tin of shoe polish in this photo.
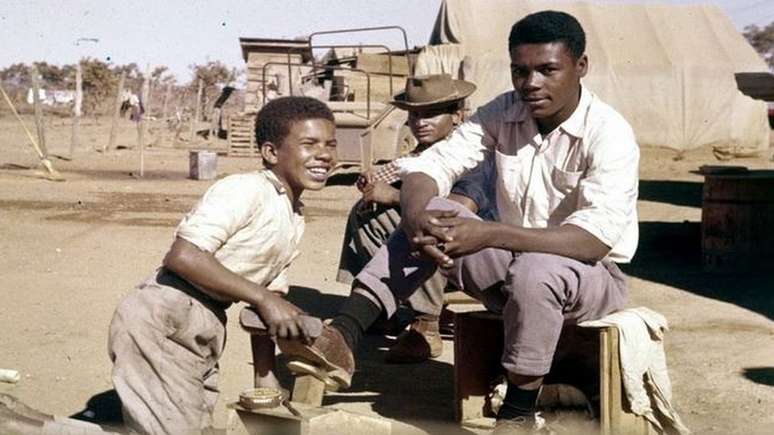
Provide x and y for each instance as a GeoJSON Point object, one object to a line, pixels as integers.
{"type": "Point", "coordinates": [264, 397]}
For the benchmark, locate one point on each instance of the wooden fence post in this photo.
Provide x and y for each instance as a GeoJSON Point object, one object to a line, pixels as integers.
{"type": "Point", "coordinates": [141, 126]}
{"type": "Point", "coordinates": [39, 122]}
{"type": "Point", "coordinates": [74, 140]}
{"type": "Point", "coordinates": [196, 110]}
{"type": "Point", "coordinates": [165, 105]}
{"type": "Point", "coordinates": [116, 113]}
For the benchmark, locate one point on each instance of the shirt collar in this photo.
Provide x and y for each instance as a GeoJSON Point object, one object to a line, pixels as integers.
{"type": "Point", "coordinates": [517, 112]}
{"type": "Point", "coordinates": [272, 177]}
{"type": "Point", "coordinates": [574, 125]}
{"type": "Point", "coordinates": [280, 188]}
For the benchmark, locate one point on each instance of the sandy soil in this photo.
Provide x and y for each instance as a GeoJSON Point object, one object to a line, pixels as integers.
{"type": "Point", "coordinates": [70, 250]}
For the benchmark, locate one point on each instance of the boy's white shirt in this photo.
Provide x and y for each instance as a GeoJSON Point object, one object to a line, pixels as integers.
{"type": "Point", "coordinates": [248, 223]}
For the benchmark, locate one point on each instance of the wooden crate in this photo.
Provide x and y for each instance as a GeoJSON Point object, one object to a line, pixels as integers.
{"type": "Point", "coordinates": [241, 135]}
{"type": "Point", "coordinates": [311, 420]}
{"type": "Point", "coordinates": [477, 349]}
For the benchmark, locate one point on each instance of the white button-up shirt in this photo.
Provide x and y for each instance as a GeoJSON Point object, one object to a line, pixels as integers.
{"type": "Point", "coordinates": [247, 222]}
{"type": "Point", "coordinates": [584, 172]}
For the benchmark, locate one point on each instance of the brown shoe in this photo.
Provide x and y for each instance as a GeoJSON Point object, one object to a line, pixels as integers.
{"type": "Point", "coordinates": [419, 343]}
{"type": "Point", "coordinates": [329, 351]}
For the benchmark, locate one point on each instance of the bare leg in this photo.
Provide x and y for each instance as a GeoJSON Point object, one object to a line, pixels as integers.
{"type": "Point", "coordinates": [263, 361]}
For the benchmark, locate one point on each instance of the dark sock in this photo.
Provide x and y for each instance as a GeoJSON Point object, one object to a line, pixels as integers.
{"type": "Point", "coordinates": [518, 403]}
{"type": "Point", "coordinates": [354, 317]}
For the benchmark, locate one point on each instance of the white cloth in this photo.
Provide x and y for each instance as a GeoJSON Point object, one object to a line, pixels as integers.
{"type": "Point", "coordinates": [643, 365]}
{"type": "Point", "coordinates": [248, 223]}
{"type": "Point", "coordinates": [584, 173]}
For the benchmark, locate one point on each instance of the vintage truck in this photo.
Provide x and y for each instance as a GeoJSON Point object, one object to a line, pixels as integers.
{"type": "Point", "coordinates": [355, 80]}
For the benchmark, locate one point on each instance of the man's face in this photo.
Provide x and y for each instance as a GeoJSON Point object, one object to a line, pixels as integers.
{"type": "Point", "coordinates": [307, 155]}
{"type": "Point", "coordinates": [548, 80]}
{"type": "Point", "coordinates": [431, 125]}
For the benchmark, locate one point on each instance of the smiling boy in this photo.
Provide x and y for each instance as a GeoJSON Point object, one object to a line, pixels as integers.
{"type": "Point", "coordinates": [237, 244]}
{"type": "Point", "coordinates": [567, 183]}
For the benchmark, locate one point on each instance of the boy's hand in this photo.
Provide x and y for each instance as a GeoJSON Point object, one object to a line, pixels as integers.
{"type": "Point", "coordinates": [365, 179]}
{"type": "Point", "coordinates": [282, 318]}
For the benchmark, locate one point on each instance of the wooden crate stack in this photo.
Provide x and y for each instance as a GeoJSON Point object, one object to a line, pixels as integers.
{"type": "Point", "coordinates": [241, 135]}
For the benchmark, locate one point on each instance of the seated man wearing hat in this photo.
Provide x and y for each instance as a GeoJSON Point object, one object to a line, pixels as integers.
{"type": "Point", "coordinates": [435, 104]}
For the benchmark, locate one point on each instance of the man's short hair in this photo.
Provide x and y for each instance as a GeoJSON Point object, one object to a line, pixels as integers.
{"type": "Point", "coordinates": [275, 119]}
{"type": "Point", "coordinates": [549, 26]}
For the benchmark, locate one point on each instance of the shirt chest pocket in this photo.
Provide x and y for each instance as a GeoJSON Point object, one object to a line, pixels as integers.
{"type": "Point", "coordinates": [564, 182]}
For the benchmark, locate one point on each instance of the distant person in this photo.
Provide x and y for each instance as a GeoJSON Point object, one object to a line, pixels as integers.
{"type": "Point", "coordinates": [237, 244]}
{"type": "Point", "coordinates": [435, 106]}
{"type": "Point", "coordinates": [567, 183]}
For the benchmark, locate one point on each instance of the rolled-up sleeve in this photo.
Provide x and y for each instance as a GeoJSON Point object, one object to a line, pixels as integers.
{"type": "Point", "coordinates": [449, 159]}
{"type": "Point", "coordinates": [226, 207]}
{"type": "Point", "coordinates": [280, 283]}
{"type": "Point", "coordinates": [607, 197]}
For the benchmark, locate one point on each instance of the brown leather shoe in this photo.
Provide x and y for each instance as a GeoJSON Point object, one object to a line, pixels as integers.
{"type": "Point", "coordinates": [329, 351]}
{"type": "Point", "coordinates": [419, 343]}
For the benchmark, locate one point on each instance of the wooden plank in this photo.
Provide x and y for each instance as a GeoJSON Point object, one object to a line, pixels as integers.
{"type": "Point", "coordinates": [116, 114]}
{"type": "Point", "coordinates": [309, 390]}
{"type": "Point", "coordinates": [142, 128]}
{"type": "Point", "coordinates": [308, 420]}
{"type": "Point", "coordinates": [615, 413]}
{"type": "Point", "coordinates": [477, 348]}
{"type": "Point", "coordinates": [39, 121]}
{"type": "Point", "coordinates": [197, 109]}
{"type": "Point", "coordinates": [241, 138]}
{"type": "Point", "coordinates": [75, 137]}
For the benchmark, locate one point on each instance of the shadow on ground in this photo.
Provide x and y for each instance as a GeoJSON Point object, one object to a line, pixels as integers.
{"type": "Point", "coordinates": [670, 253]}
{"type": "Point", "coordinates": [103, 408]}
{"type": "Point", "coordinates": [418, 395]}
{"type": "Point", "coordinates": [760, 375]}
{"type": "Point", "coordinates": [429, 385]}
{"type": "Point", "coordinates": [683, 193]}
{"type": "Point", "coordinates": [120, 174]}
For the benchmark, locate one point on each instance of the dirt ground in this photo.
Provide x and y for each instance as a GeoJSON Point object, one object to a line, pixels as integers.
{"type": "Point", "coordinates": [71, 249]}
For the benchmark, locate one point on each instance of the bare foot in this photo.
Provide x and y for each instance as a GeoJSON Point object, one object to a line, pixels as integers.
{"type": "Point", "coordinates": [18, 407]}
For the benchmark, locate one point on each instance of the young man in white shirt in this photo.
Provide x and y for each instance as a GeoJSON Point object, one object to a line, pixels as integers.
{"type": "Point", "coordinates": [567, 183]}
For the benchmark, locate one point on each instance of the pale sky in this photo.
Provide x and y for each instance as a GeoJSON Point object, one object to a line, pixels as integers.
{"type": "Point", "coordinates": [177, 33]}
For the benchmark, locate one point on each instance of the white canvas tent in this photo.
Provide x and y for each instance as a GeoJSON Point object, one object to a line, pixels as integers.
{"type": "Point", "coordinates": [668, 69]}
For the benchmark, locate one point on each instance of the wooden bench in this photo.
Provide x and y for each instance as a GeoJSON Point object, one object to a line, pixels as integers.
{"type": "Point", "coordinates": [589, 355]}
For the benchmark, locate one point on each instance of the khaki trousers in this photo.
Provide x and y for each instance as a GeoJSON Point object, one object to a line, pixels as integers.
{"type": "Point", "coordinates": [165, 342]}
{"type": "Point", "coordinates": [537, 294]}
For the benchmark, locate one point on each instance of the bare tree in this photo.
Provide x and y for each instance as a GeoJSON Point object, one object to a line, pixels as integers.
{"type": "Point", "coordinates": [762, 40]}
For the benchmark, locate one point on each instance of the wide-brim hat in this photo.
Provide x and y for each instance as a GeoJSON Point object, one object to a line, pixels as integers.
{"type": "Point", "coordinates": [423, 92]}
